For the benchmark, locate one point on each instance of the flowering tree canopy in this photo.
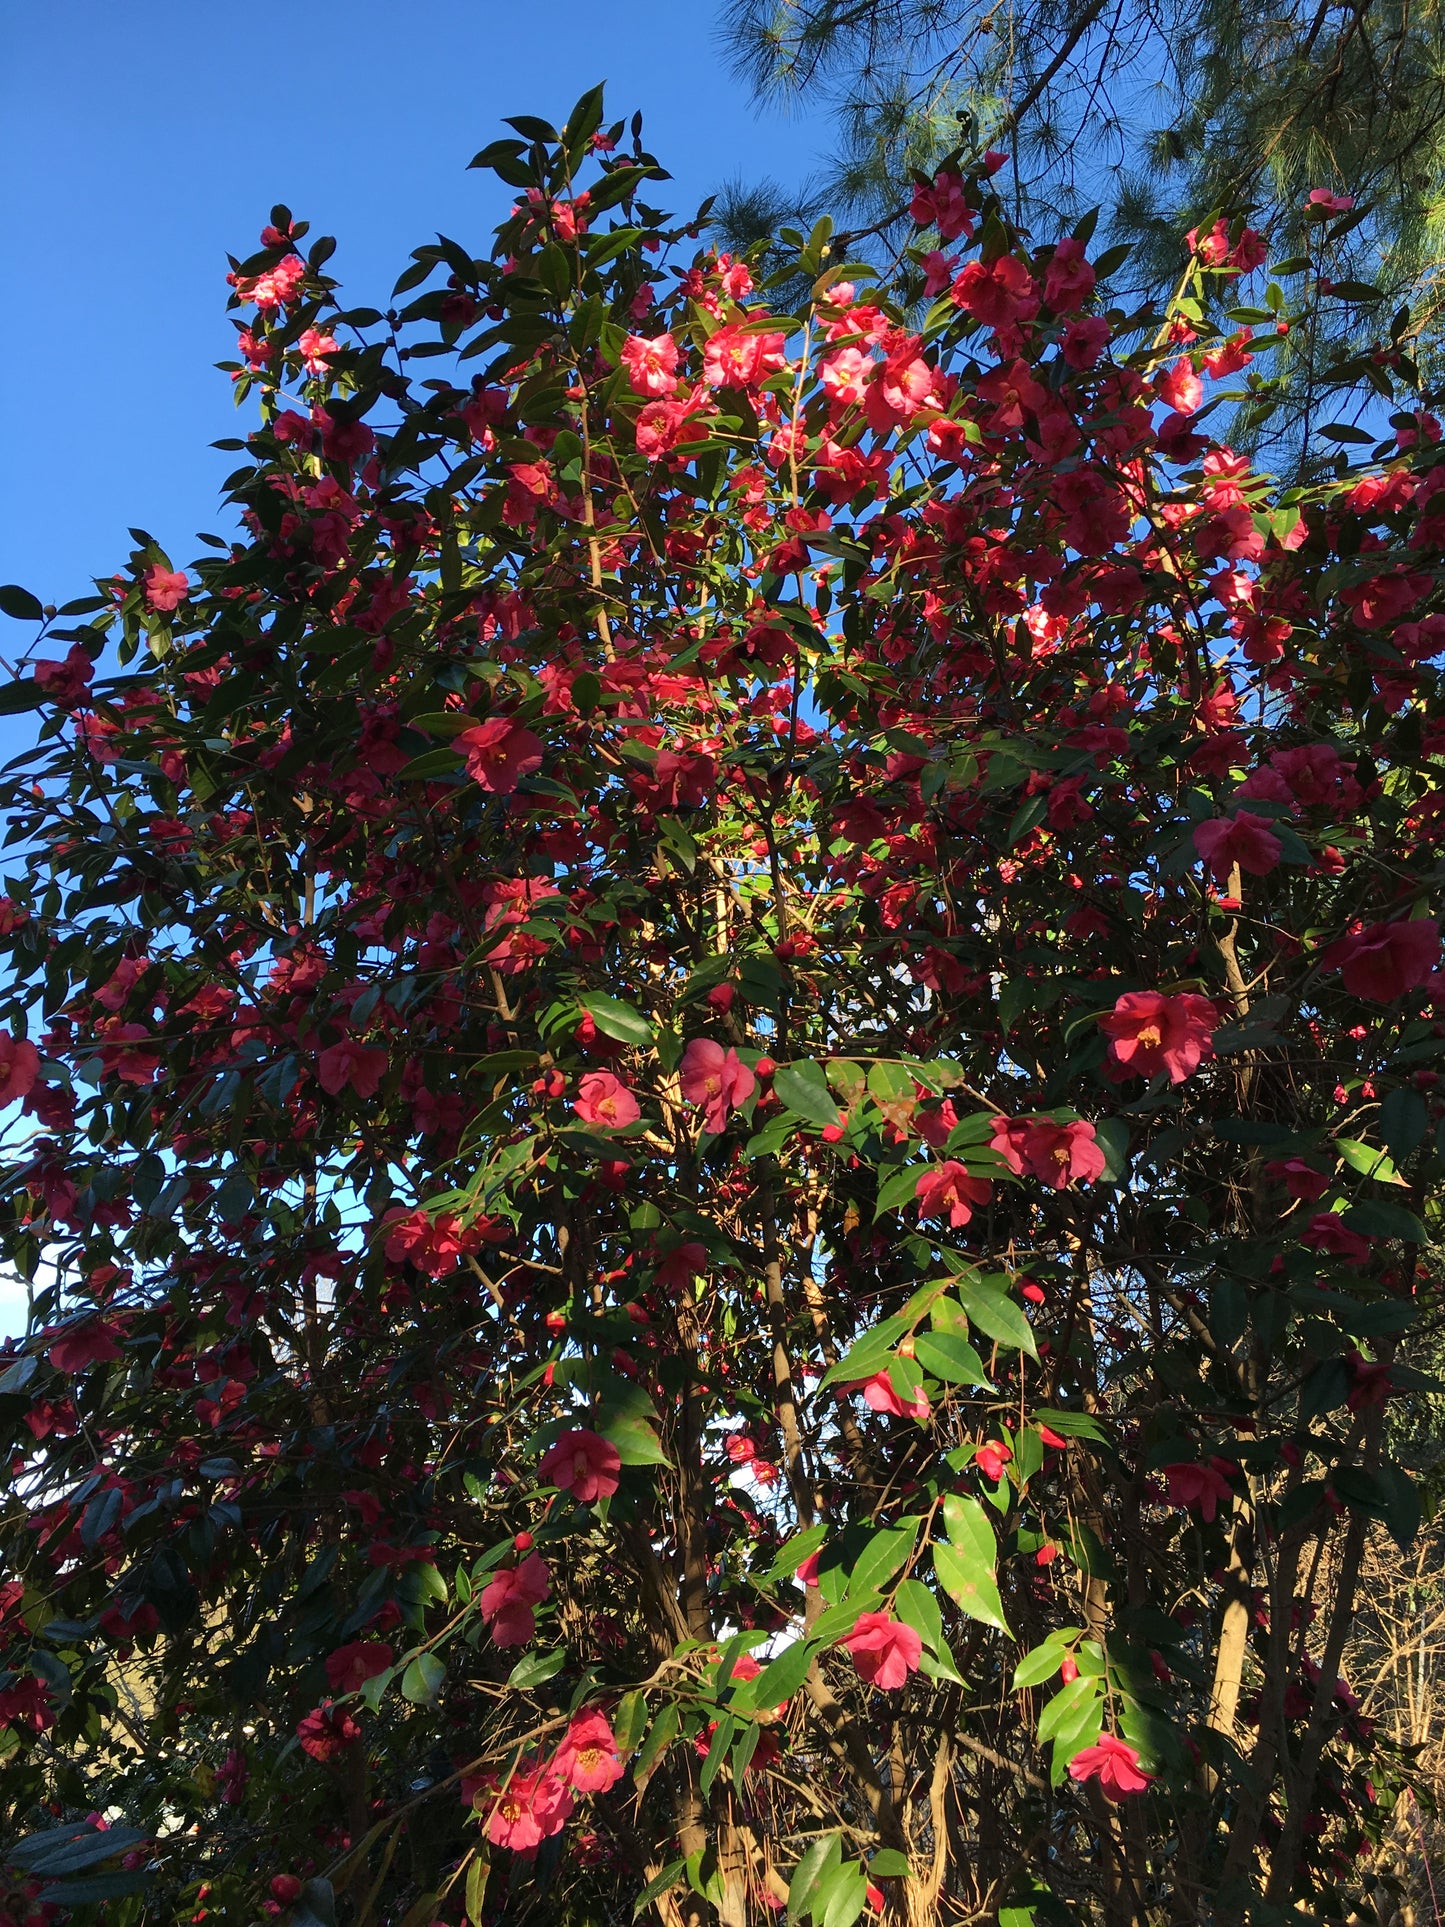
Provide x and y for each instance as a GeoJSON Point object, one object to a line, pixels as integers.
{"type": "Point", "coordinates": [722, 1103]}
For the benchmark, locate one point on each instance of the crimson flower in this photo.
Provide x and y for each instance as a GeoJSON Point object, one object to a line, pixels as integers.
{"type": "Point", "coordinates": [1384, 960]}
{"type": "Point", "coordinates": [884, 1650]}
{"type": "Point", "coordinates": [949, 1189]}
{"type": "Point", "coordinates": [327, 1732]}
{"type": "Point", "coordinates": [1327, 1231]}
{"type": "Point", "coordinates": [508, 1599]}
{"type": "Point", "coordinates": [1056, 1154]}
{"type": "Point", "coordinates": [19, 1067]}
{"type": "Point", "coordinates": [351, 1666]}
{"type": "Point", "coordinates": [604, 1099]}
{"type": "Point", "coordinates": [68, 682]}
{"type": "Point", "coordinates": [91, 1342]}
{"type": "Point", "coordinates": [166, 589]}
{"type": "Point", "coordinates": [1200, 1488]}
{"type": "Point", "coordinates": [349, 1063]}
{"type": "Point", "coordinates": [588, 1757]}
{"type": "Point", "coordinates": [879, 1396]}
{"type": "Point", "coordinates": [583, 1463]}
{"type": "Point", "coordinates": [1116, 1765]}
{"type": "Point", "coordinates": [1245, 839]}
{"type": "Point", "coordinates": [1150, 1032]}
{"type": "Point", "coordinates": [532, 1807]}
{"type": "Point", "coordinates": [499, 753]}
{"type": "Point", "coordinates": [715, 1078]}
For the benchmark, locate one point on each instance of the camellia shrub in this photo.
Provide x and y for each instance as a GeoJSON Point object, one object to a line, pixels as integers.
{"type": "Point", "coordinates": [722, 1099]}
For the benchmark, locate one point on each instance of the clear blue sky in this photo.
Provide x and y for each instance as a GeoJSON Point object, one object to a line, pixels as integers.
{"type": "Point", "coordinates": [140, 140]}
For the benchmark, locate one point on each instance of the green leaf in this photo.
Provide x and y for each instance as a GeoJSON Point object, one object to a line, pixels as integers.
{"type": "Point", "coordinates": [1063, 1709]}
{"type": "Point", "coordinates": [916, 1606]}
{"type": "Point", "coordinates": [967, 1565]}
{"type": "Point", "coordinates": [429, 765]}
{"type": "Point", "coordinates": [24, 693]}
{"type": "Point", "coordinates": [476, 1886]}
{"type": "Point", "coordinates": [67, 1849]}
{"type": "Point", "coordinates": [1072, 1425]}
{"type": "Point", "coordinates": [617, 1019]}
{"type": "Point", "coordinates": [679, 842]}
{"type": "Point", "coordinates": [825, 1853]}
{"type": "Point", "coordinates": [899, 1190]}
{"type": "Point", "coordinates": [531, 1670]}
{"type": "Point", "coordinates": [870, 1354]}
{"type": "Point", "coordinates": [1111, 1134]}
{"type": "Point", "coordinates": [1044, 1661]}
{"type": "Point", "coordinates": [996, 1315]}
{"type": "Point", "coordinates": [722, 1739]}
{"type": "Point", "coordinates": [629, 1720]}
{"type": "Point", "coordinates": [1369, 1162]}
{"type": "Point", "coordinates": [1404, 1120]}
{"type": "Point", "coordinates": [950, 1358]}
{"type": "Point", "coordinates": [884, 1553]}
{"type": "Point", "coordinates": [19, 604]}
{"type": "Point", "coordinates": [101, 1886]}
{"type": "Point", "coordinates": [636, 1442]}
{"type": "Point", "coordinates": [803, 1087]}
{"type": "Point", "coordinates": [792, 1554]}
{"type": "Point", "coordinates": [659, 1884]}
{"type": "Point", "coordinates": [889, 1864]}
{"type": "Point", "coordinates": [779, 1679]}
{"type": "Point", "coordinates": [423, 1680]}
{"type": "Point", "coordinates": [1374, 1219]}
{"type": "Point", "coordinates": [659, 1738]}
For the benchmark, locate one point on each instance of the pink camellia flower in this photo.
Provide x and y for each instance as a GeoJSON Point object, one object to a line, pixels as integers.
{"type": "Point", "coordinates": [1068, 279]}
{"type": "Point", "coordinates": [351, 1666]}
{"type": "Point", "coordinates": [499, 753]}
{"type": "Point", "coordinates": [327, 1732]}
{"type": "Point", "coordinates": [66, 683]}
{"type": "Point", "coordinates": [19, 1067]}
{"type": "Point", "coordinates": [165, 589]}
{"type": "Point", "coordinates": [583, 1463]}
{"type": "Point", "coordinates": [350, 1063]}
{"type": "Point", "coordinates": [1369, 1381]}
{"type": "Point", "coordinates": [884, 1650]}
{"type": "Point", "coordinates": [715, 1078]}
{"type": "Point", "coordinates": [1301, 1180]}
{"type": "Point", "coordinates": [1179, 387]}
{"type": "Point", "coordinates": [681, 1265]}
{"type": "Point", "coordinates": [508, 1599]}
{"type": "Point", "coordinates": [1115, 1763]}
{"type": "Point", "coordinates": [1150, 1032]}
{"type": "Point", "coordinates": [92, 1342]}
{"type": "Point", "coordinates": [532, 1807]}
{"type": "Point", "coordinates": [948, 1189]}
{"type": "Point", "coordinates": [991, 1458]}
{"type": "Point", "coordinates": [588, 1759]}
{"type": "Point", "coordinates": [1056, 1154]}
{"type": "Point", "coordinates": [734, 358]}
{"type": "Point", "coordinates": [943, 203]}
{"type": "Point", "coordinates": [1199, 1487]}
{"type": "Point", "coordinates": [1245, 839]}
{"type": "Point", "coordinates": [879, 1396]}
{"type": "Point", "coordinates": [1328, 1232]}
{"type": "Point", "coordinates": [604, 1099]}
{"type": "Point", "coordinates": [651, 365]}
{"type": "Point", "coordinates": [316, 350]}
{"type": "Point", "coordinates": [1384, 960]}
{"type": "Point", "coordinates": [1322, 197]}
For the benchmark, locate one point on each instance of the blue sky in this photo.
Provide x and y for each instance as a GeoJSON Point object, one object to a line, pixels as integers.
{"type": "Point", "coordinates": [141, 142]}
